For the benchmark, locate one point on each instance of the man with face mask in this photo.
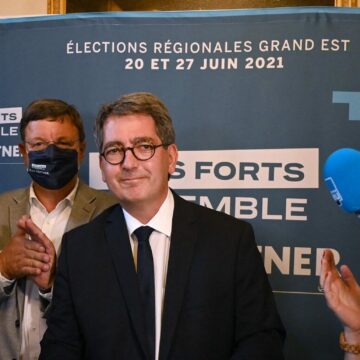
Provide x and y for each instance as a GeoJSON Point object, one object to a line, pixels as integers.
{"type": "Point", "coordinates": [33, 220]}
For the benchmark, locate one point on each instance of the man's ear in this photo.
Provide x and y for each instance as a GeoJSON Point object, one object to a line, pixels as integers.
{"type": "Point", "coordinates": [101, 164]}
{"type": "Point", "coordinates": [82, 148]}
{"type": "Point", "coordinates": [173, 157]}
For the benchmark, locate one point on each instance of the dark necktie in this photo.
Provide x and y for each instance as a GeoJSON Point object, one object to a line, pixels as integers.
{"type": "Point", "coordinates": [145, 273]}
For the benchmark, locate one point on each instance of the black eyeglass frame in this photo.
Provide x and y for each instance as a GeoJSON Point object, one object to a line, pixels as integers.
{"type": "Point", "coordinates": [131, 148]}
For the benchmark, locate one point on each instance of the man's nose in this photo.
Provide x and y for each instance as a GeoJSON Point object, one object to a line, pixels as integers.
{"type": "Point", "coordinates": [129, 160]}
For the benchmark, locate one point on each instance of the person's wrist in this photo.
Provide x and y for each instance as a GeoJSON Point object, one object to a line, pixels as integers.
{"type": "Point", "coordinates": [3, 271]}
{"type": "Point", "coordinates": [45, 290]}
{"type": "Point", "coordinates": [350, 345]}
{"type": "Point", "coordinates": [352, 336]}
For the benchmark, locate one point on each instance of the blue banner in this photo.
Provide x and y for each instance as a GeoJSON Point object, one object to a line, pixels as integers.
{"type": "Point", "coordinates": [259, 100]}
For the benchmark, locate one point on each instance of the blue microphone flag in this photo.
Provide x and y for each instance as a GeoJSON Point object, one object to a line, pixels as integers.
{"type": "Point", "coordinates": [342, 177]}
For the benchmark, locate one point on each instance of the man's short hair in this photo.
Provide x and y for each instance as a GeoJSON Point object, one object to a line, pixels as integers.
{"type": "Point", "coordinates": [52, 110]}
{"type": "Point", "coordinates": [137, 103]}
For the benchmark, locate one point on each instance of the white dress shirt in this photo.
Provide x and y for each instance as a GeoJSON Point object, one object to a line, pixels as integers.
{"type": "Point", "coordinates": [160, 246]}
{"type": "Point", "coordinates": [53, 224]}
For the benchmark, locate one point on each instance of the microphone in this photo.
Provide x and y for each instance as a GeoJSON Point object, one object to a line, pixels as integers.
{"type": "Point", "coordinates": [342, 178]}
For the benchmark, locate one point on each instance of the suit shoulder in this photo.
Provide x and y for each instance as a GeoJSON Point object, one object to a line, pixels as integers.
{"type": "Point", "coordinates": [97, 223]}
{"type": "Point", "coordinates": [212, 216]}
{"type": "Point", "coordinates": [13, 196]}
{"type": "Point", "coordinates": [105, 197]}
{"type": "Point", "coordinates": [101, 194]}
{"type": "Point", "coordinates": [88, 194]}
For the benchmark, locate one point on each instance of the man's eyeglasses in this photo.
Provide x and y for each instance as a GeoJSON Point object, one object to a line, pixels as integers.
{"type": "Point", "coordinates": [42, 145]}
{"type": "Point", "coordinates": [115, 155]}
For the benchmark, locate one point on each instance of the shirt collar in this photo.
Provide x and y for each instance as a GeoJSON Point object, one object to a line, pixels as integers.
{"type": "Point", "coordinates": [68, 200]}
{"type": "Point", "coordinates": [161, 222]}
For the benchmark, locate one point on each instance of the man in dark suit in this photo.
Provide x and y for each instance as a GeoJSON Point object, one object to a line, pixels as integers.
{"type": "Point", "coordinates": [195, 288]}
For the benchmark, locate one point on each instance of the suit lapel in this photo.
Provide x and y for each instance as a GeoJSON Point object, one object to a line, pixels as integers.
{"type": "Point", "coordinates": [183, 239]}
{"type": "Point", "coordinates": [83, 208]}
{"type": "Point", "coordinates": [120, 249]}
{"type": "Point", "coordinates": [20, 207]}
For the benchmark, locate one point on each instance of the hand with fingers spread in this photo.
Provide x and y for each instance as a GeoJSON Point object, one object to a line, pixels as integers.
{"type": "Point", "coordinates": [342, 293]}
{"type": "Point", "coordinates": [27, 257]}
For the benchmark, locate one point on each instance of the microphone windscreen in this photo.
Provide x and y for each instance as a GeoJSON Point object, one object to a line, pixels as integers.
{"type": "Point", "coordinates": [342, 177]}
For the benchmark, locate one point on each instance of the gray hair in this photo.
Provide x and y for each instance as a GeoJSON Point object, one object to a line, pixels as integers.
{"type": "Point", "coordinates": [137, 103]}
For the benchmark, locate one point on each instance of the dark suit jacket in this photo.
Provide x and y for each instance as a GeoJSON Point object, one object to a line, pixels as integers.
{"type": "Point", "coordinates": [218, 303]}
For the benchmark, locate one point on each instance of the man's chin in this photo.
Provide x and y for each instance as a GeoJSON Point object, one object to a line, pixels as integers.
{"type": "Point", "coordinates": [130, 194]}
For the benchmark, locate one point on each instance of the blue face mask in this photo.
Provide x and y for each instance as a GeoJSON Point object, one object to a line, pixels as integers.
{"type": "Point", "coordinates": [53, 167]}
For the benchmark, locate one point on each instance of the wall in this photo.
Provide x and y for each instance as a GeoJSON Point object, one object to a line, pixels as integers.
{"type": "Point", "coordinates": [22, 7]}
